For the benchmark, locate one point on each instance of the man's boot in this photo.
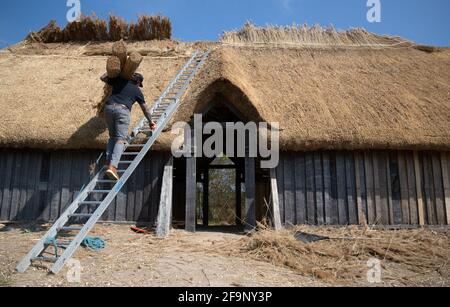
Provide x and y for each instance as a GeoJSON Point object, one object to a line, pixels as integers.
{"type": "Point", "coordinates": [111, 173]}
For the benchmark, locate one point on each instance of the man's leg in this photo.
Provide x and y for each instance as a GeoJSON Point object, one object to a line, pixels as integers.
{"type": "Point", "coordinates": [110, 150]}
{"type": "Point", "coordinates": [119, 147]}
{"type": "Point", "coordinates": [109, 117]}
{"type": "Point", "coordinates": [121, 123]}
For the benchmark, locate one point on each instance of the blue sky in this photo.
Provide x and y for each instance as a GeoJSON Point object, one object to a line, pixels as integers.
{"type": "Point", "coordinates": [424, 21]}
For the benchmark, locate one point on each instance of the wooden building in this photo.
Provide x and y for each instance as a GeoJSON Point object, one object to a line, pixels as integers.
{"type": "Point", "coordinates": [365, 132]}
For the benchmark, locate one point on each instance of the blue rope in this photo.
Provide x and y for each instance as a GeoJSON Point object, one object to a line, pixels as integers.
{"type": "Point", "coordinates": [54, 243]}
{"type": "Point", "coordinates": [94, 243]}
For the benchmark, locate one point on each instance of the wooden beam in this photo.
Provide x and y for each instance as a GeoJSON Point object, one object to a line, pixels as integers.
{"type": "Point", "coordinates": [274, 200]}
{"type": "Point", "coordinates": [238, 197]}
{"type": "Point", "coordinates": [441, 216]}
{"type": "Point", "coordinates": [359, 198]}
{"type": "Point", "coordinates": [403, 176]}
{"type": "Point", "coordinates": [206, 198]}
{"type": "Point", "coordinates": [191, 195]}
{"type": "Point", "coordinates": [421, 209]}
{"type": "Point", "coordinates": [165, 205]}
{"type": "Point", "coordinates": [250, 193]}
{"type": "Point", "coordinates": [446, 181]}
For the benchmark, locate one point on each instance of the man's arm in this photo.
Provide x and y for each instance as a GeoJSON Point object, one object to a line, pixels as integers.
{"type": "Point", "coordinates": [147, 114]}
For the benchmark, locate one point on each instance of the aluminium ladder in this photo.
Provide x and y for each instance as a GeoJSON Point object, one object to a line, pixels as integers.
{"type": "Point", "coordinates": [162, 112]}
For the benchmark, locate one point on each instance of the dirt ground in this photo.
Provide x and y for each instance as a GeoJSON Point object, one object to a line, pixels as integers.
{"type": "Point", "coordinates": [209, 259]}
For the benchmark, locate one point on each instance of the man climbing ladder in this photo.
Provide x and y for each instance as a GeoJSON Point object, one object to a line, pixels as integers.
{"type": "Point", "coordinates": [125, 93]}
{"type": "Point", "coordinates": [106, 190]}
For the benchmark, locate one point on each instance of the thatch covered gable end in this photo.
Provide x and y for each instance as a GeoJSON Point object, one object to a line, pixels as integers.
{"type": "Point", "coordinates": [392, 98]}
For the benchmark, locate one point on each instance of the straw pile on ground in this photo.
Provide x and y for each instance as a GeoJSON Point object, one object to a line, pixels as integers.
{"type": "Point", "coordinates": [343, 258]}
{"type": "Point", "coordinates": [91, 28]}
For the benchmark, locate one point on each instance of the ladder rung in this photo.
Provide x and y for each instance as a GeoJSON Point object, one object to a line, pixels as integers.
{"type": "Point", "coordinates": [47, 259]}
{"type": "Point", "coordinates": [106, 181]}
{"type": "Point", "coordinates": [99, 192]}
{"type": "Point", "coordinates": [121, 171]}
{"type": "Point", "coordinates": [129, 154]}
{"type": "Point", "coordinates": [80, 215]}
{"type": "Point", "coordinates": [58, 244]}
{"type": "Point", "coordinates": [136, 146]}
{"type": "Point", "coordinates": [70, 228]}
{"type": "Point", "coordinates": [125, 162]}
{"type": "Point", "coordinates": [90, 203]}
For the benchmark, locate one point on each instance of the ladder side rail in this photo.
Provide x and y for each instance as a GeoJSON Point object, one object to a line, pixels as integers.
{"type": "Point", "coordinates": [164, 93]}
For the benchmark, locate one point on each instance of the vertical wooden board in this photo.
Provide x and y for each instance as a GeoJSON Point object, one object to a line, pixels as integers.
{"type": "Point", "coordinates": [413, 210]}
{"type": "Point", "coordinates": [276, 217]}
{"type": "Point", "coordinates": [15, 186]}
{"type": "Point", "coordinates": [360, 206]}
{"type": "Point", "coordinates": [145, 213]}
{"type": "Point", "coordinates": [25, 172]}
{"type": "Point", "coordinates": [7, 185]}
{"type": "Point", "coordinates": [389, 190]}
{"type": "Point", "coordinates": [32, 188]}
{"type": "Point", "coordinates": [403, 188]}
{"type": "Point", "coordinates": [310, 189]}
{"type": "Point", "coordinates": [351, 188]}
{"type": "Point", "coordinates": [334, 211]}
{"type": "Point", "coordinates": [383, 204]}
{"type": "Point", "coordinates": [327, 199]}
{"type": "Point", "coordinates": [157, 169]}
{"type": "Point", "coordinates": [370, 188]}
{"type": "Point", "coordinates": [66, 173]}
{"type": "Point", "coordinates": [445, 164]}
{"type": "Point", "coordinates": [438, 188]}
{"type": "Point", "coordinates": [418, 174]}
{"type": "Point", "coordinates": [319, 188]}
{"type": "Point", "coordinates": [55, 184]}
{"type": "Point", "coordinates": [289, 184]}
{"type": "Point", "coordinates": [191, 186]}
{"type": "Point", "coordinates": [300, 189]}
{"type": "Point", "coordinates": [130, 203]}
{"type": "Point", "coordinates": [341, 189]}
{"type": "Point", "coordinates": [4, 182]}
{"type": "Point", "coordinates": [121, 205]}
{"type": "Point", "coordinates": [376, 188]}
{"type": "Point", "coordinates": [2, 176]}
{"type": "Point", "coordinates": [395, 189]}
{"type": "Point", "coordinates": [428, 189]}
{"type": "Point", "coordinates": [280, 183]}
{"type": "Point", "coordinates": [250, 193]}
{"type": "Point", "coordinates": [139, 192]}
{"type": "Point", "coordinates": [76, 174]}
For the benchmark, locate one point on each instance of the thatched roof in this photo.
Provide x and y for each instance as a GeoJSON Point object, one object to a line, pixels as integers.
{"type": "Point", "coordinates": [324, 98]}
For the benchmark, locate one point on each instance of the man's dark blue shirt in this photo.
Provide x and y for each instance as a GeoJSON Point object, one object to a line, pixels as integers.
{"type": "Point", "coordinates": [125, 92]}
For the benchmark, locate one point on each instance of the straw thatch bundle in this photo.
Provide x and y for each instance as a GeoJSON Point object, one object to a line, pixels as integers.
{"type": "Point", "coordinates": [309, 36]}
{"type": "Point", "coordinates": [113, 67]}
{"type": "Point", "coordinates": [51, 33]}
{"type": "Point", "coordinates": [151, 27]}
{"type": "Point", "coordinates": [119, 49]}
{"type": "Point", "coordinates": [118, 28]}
{"type": "Point", "coordinates": [131, 65]}
{"type": "Point", "coordinates": [91, 28]}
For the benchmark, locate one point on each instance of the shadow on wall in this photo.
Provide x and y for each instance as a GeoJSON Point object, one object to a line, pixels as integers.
{"type": "Point", "coordinates": [88, 132]}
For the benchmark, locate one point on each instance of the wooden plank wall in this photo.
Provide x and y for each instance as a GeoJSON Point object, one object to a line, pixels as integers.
{"type": "Point", "coordinates": [373, 187]}
{"type": "Point", "coordinates": [38, 185]}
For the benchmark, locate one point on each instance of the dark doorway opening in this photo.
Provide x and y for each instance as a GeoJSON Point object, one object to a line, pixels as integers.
{"type": "Point", "coordinates": [220, 193]}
